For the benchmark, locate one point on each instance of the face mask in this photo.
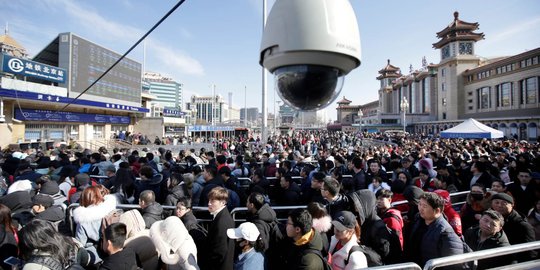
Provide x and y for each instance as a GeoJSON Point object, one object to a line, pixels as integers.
{"type": "Point", "coordinates": [477, 196]}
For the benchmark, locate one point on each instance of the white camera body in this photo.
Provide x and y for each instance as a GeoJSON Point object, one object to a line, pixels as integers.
{"type": "Point", "coordinates": [310, 45]}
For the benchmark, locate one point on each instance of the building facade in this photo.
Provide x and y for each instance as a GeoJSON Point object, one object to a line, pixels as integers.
{"type": "Point", "coordinates": [502, 92]}
{"type": "Point", "coordinates": [167, 91]}
{"type": "Point", "coordinates": [208, 109]}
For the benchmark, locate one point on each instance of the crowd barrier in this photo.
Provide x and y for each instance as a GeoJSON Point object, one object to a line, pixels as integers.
{"type": "Point", "coordinates": [483, 254]}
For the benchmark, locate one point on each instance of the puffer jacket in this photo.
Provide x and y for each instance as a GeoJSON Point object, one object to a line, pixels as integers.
{"type": "Point", "coordinates": [138, 239]}
{"type": "Point", "coordinates": [356, 261]}
{"type": "Point", "coordinates": [88, 221]}
{"type": "Point", "coordinates": [174, 244]}
{"type": "Point", "coordinates": [300, 258]}
{"type": "Point", "coordinates": [152, 213]}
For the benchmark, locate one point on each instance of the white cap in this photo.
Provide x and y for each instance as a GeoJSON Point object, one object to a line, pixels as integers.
{"type": "Point", "coordinates": [246, 230]}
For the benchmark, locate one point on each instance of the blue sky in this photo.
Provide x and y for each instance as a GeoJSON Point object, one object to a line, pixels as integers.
{"type": "Point", "coordinates": [217, 42]}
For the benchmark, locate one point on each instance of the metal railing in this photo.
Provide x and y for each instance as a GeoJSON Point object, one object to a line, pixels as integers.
{"type": "Point", "coordinates": [398, 266]}
{"type": "Point", "coordinates": [239, 213]}
{"type": "Point", "coordinates": [479, 255]}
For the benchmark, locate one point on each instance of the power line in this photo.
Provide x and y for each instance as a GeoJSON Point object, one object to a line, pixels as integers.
{"type": "Point", "coordinates": [126, 53]}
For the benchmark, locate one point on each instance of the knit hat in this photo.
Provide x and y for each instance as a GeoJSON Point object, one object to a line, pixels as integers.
{"type": "Point", "coordinates": [344, 220]}
{"type": "Point", "coordinates": [504, 197]}
{"type": "Point", "coordinates": [42, 199]}
{"type": "Point", "coordinates": [246, 230]}
{"type": "Point", "coordinates": [49, 188]}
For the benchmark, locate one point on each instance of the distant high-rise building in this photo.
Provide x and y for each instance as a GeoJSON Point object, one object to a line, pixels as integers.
{"type": "Point", "coordinates": [249, 114]}
{"type": "Point", "coordinates": [211, 109]}
{"type": "Point", "coordinates": [167, 91]}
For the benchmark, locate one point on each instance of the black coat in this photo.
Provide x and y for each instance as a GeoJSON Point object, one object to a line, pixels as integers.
{"type": "Point", "coordinates": [299, 258]}
{"type": "Point", "coordinates": [215, 182]}
{"type": "Point", "coordinates": [472, 238]}
{"type": "Point", "coordinates": [8, 246]}
{"type": "Point", "coordinates": [152, 213]}
{"type": "Point", "coordinates": [122, 260]}
{"type": "Point", "coordinates": [519, 231]}
{"type": "Point", "coordinates": [220, 247]}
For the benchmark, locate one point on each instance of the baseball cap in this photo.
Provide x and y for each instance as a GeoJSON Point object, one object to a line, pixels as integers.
{"type": "Point", "coordinates": [344, 220]}
{"type": "Point", "coordinates": [246, 230]}
{"type": "Point", "coordinates": [42, 199]}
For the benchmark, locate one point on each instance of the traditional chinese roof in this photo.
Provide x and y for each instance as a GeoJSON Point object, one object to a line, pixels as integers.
{"type": "Point", "coordinates": [7, 40]}
{"type": "Point", "coordinates": [458, 30]}
{"type": "Point", "coordinates": [344, 101]}
{"type": "Point", "coordinates": [389, 71]}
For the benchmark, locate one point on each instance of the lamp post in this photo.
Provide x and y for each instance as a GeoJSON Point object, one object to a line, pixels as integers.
{"type": "Point", "coordinates": [404, 107]}
{"type": "Point", "coordinates": [361, 115]}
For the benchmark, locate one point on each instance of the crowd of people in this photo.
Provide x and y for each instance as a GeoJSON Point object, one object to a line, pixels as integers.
{"type": "Point", "coordinates": [341, 186]}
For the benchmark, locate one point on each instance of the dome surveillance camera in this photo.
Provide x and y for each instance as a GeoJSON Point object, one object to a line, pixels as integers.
{"type": "Point", "coordinates": [309, 46]}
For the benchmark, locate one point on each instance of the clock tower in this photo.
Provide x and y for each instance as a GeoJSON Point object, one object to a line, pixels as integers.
{"type": "Point", "coordinates": [457, 50]}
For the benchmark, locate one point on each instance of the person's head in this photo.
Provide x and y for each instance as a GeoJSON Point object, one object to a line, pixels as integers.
{"type": "Point", "coordinates": [478, 167]}
{"type": "Point", "coordinates": [357, 164]}
{"type": "Point", "coordinates": [405, 162]}
{"type": "Point", "coordinates": [225, 172]}
{"type": "Point", "coordinates": [478, 191]}
{"type": "Point", "coordinates": [40, 236]}
{"type": "Point", "coordinates": [345, 226]}
{"type": "Point", "coordinates": [183, 206]}
{"type": "Point", "coordinates": [95, 158]}
{"type": "Point", "coordinates": [376, 181]}
{"type": "Point", "coordinates": [424, 175]}
{"type": "Point", "coordinates": [247, 236]}
{"type": "Point", "coordinates": [430, 206]}
{"type": "Point", "coordinates": [257, 176]}
{"type": "Point", "coordinates": [524, 176]}
{"type": "Point", "coordinates": [146, 198]}
{"type": "Point", "coordinates": [299, 223]}
{"type": "Point", "coordinates": [41, 202]}
{"type": "Point", "coordinates": [255, 201]}
{"type": "Point", "coordinates": [217, 199]}
{"type": "Point", "coordinates": [317, 210]}
{"type": "Point", "coordinates": [110, 171]}
{"type": "Point", "coordinates": [498, 185]}
{"type": "Point", "coordinates": [5, 218]}
{"type": "Point", "coordinates": [285, 181]}
{"type": "Point", "coordinates": [210, 172]}
{"type": "Point", "coordinates": [404, 177]}
{"type": "Point", "coordinates": [374, 166]}
{"type": "Point", "coordinates": [91, 196]}
{"type": "Point", "coordinates": [502, 203]}
{"type": "Point", "coordinates": [115, 235]}
{"type": "Point", "coordinates": [221, 159]}
{"type": "Point", "coordinates": [330, 188]}
{"type": "Point", "coordinates": [491, 222]}
{"type": "Point", "coordinates": [317, 180]}
{"type": "Point", "coordinates": [175, 179]}
{"type": "Point", "coordinates": [146, 172]}
{"type": "Point", "coordinates": [384, 199]}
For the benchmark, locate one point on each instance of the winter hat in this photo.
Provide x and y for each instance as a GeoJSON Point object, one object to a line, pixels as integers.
{"type": "Point", "coordinates": [246, 230]}
{"type": "Point", "coordinates": [21, 185]}
{"type": "Point", "coordinates": [49, 188]}
{"type": "Point", "coordinates": [504, 197]}
{"type": "Point", "coordinates": [42, 199]}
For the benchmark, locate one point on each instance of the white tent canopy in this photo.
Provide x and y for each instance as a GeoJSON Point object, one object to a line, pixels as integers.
{"type": "Point", "coordinates": [470, 129]}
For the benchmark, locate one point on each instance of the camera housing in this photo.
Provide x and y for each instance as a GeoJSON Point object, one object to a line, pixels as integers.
{"type": "Point", "coordinates": [310, 45]}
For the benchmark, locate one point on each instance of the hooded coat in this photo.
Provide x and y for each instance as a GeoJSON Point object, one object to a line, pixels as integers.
{"type": "Point", "coordinates": [88, 224]}
{"type": "Point", "coordinates": [374, 231]}
{"type": "Point", "coordinates": [174, 244]}
{"type": "Point", "coordinates": [138, 239]}
{"type": "Point", "coordinates": [152, 213]}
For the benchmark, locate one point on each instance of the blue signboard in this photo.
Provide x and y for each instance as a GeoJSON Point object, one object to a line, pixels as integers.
{"type": "Point", "coordinates": [59, 99]}
{"type": "Point", "coordinates": [209, 128]}
{"type": "Point", "coordinates": [52, 116]}
{"type": "Point", "coordinates": [15, 65]}
{"type": "Point", "coordinates": [173, 112]}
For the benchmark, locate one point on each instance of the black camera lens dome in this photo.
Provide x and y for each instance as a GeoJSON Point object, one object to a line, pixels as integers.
{"type": "Point", "coordinates": [308, 87]}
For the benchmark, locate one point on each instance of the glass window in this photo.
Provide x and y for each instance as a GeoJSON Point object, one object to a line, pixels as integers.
{"type": "Point", "coordinates": [99, 132]}
{"type": "Point", "coordinates": [529, 90]}
{"type": "Point", "coordinates": [32, 135]}
{"type": "Point", "coordinates": [56, 134]}
{"type": "Point", "coordinates": [504, 94]}
{"type": "Point", "coordinates": [483, 98]}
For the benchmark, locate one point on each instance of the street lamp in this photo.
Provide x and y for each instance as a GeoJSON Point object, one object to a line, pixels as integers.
{"type": "Point", "coordinates": [361, 115]}
{"type": "Point", "coordinates": [404, 107]}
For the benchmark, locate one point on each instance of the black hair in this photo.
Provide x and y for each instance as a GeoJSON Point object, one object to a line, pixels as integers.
{"type": "Point", "coordinates": [434, 200]}
{"type": "Point", "coordinates": [221, 159]}
{"type": "Point", "coordinates": [302, 219]}
{"type": "Point", "coordinates": [211, 169]}
{"type": "Point", "coordinates": [184, 201]}
{"type": "Point", "coordinates": [150, 156]}
{"type": "Point", "coordinates": [116, 233]}
{"type": "Point", "coordinates": [147, 172]}
{"type": "Point", "coordinates": [385, 193]}
{"type": "Point", "coordinates": [257, 199]}
{"type": "Point", "coordinates": [41, 236]}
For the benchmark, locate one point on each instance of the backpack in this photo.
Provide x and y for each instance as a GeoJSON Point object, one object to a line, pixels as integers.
{"type": "Point", "coordinates": [395, 254]}
{"type": "Point", "coordinates": [52, 263]}
{"type": "Point", "coordinates": [106, 221]}
{"type": "Point", "coordinates": [200, 236]}
{"type": "Point", "coordinates": [372, 257]}
{"type": "Point", "coordinates": [326, 265]}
